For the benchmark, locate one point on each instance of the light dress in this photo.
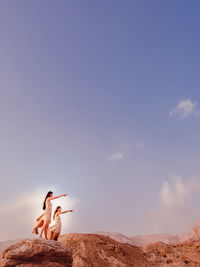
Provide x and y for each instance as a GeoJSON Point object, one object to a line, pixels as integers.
{"type": "Point", "coordinates": [56, 228]}
{"type": "Point", "coordinates": [46, 216]}
{"type": "Point", "coordinates": [47, 213]}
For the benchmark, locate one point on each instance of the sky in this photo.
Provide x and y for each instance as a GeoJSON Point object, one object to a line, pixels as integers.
{"type": "Point", "coordinates": [100, 100]}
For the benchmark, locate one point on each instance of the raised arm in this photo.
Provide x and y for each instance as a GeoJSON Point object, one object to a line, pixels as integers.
{"type": "Point", "coordinates": [65, 211]}
{"type": "Point", "coordinates": [51, 198]}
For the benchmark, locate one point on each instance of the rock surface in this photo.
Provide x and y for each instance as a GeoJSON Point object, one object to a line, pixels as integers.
{"type": "Point", "coordinates": [36, 252]}
{"type": "Point", "coordinates": [177, 255]}
{"type": "Point", "coordinates": [99, 250]}
{"type": "Point", "coordinates": [91, 250]}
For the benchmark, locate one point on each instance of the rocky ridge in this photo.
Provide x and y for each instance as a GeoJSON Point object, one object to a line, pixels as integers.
{"type": "Point", "coordinates": [94, 250]}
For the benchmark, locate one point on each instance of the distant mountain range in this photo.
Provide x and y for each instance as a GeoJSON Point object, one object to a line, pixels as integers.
{"type": "Point", "coordinates": [144, 240]}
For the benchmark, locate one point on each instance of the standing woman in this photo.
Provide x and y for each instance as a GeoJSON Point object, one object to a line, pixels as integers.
{"type": "Point", "coordinates": [54, 230]}
{"type": "Point", "coordinates": [45, 219]}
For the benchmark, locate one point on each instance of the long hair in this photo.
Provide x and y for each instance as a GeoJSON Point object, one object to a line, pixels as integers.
{"type": "Point", "coordinates": [48, 195]}
{"type": "Point", "coordinates": [56, 210]}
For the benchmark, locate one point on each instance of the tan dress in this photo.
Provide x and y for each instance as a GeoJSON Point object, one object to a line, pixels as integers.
{"type": "Point", "coordinates": [56, 228]}
{"type": "Point", "coordinates": [47, 213]}
{"type": "Point", "coordinates": [46, 216]}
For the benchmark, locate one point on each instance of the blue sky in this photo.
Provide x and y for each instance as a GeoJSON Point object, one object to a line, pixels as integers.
{"type": "Point", "coordinates": [86, 90]}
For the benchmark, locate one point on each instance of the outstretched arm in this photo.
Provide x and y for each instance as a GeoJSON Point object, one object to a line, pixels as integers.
{"type": "Point", "coordinates": [51, 198]}
{"type": "Point", "coordinates": [62, 212]}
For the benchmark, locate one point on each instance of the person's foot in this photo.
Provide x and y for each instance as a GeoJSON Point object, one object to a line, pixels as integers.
{"type": "Point", "coordinates": [35, 231]}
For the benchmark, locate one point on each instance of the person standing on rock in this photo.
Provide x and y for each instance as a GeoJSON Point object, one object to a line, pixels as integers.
{"type": "Point", "coordinates": [55, 230]}
{"type": "Point", "coordinates": [45, 219]}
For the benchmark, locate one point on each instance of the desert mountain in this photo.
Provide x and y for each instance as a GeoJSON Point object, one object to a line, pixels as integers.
{"type": "Point", "coordinates": [117, 236]}
{"type": "Point", "coordinates": [144, 240]}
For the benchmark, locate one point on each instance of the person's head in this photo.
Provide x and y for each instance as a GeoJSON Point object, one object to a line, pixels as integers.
{"type": "Point", "coordinates": [49, 194]}
{"type": "Point", "coordinates": [58, 209]}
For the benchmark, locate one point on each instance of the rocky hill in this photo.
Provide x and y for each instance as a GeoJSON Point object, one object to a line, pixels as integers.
{"type": "Point", "coordinates": [101, 251]}
{"type": "Point", "coordinates": [177, 255]}
{"type": "Point", "coordinates": [77, 250]}
{"type": "Point", "coordinates": [97, 250]}
{"type": "Point", "coordinates": [90, 250]}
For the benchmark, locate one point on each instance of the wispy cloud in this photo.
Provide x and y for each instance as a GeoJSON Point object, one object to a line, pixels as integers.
{"type": "Point", "coordinates": [184, 109]}
{"type": "Point", "coordinates": [173, 196]}
{"type": "Point", "coordinates": [119, 154]}
{"type": "Point", "coordinates": [177, 210]}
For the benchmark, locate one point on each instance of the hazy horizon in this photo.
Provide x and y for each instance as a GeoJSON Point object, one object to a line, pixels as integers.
{"type": "Point", "coordinates": [100, 100]}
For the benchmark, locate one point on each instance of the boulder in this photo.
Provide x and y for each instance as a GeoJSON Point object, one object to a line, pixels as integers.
{"type": "Point", "coordinates": [36, 252]}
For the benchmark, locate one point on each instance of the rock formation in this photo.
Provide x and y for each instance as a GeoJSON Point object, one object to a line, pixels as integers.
{"type": "Point", "coordinates": [177, 255]}
{"type": "Point", "coordinates": [91, 250]}
{"type": "Point", "coordinates": [97, 250]}
{"type": "Point", "coordinates": [36, 252]}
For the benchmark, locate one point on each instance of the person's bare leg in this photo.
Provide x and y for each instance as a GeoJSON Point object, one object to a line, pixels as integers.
{"type": "Point", "coordinates": [45, 228]}
{"type": "Point", "coordinates": [55, 236]}
{"type": "Point", "coordinates": [36, 226]}
{"type": "Point", "coordinates": [45, 231]}
{"type": "Point", "coordinates": [42, 230]}
{"type": "Point", "coordinates": [50, 235]}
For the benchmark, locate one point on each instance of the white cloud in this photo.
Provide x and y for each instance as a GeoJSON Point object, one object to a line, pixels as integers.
{"type": "Point", "coordinates": [185, 108]}
{"type": "Point", "coordinates": [19, 214]}
{"type": "Point", "coordinates": [170, 196]}
{"type": "Point", "coordinates": [124, 150]}
{"type": "Point", "coordinates": [120, 154]}
{"type": "Point", "coordinates": [177, 210]}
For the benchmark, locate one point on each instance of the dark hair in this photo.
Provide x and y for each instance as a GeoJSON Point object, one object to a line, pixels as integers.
{"type": "Point", "coordinates": [48, 195]}
{"type": "Point", "coordinates": [56, 210]}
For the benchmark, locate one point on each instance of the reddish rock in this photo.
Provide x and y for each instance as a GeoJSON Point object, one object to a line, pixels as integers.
{"type": "Point", "coordinates": [36, 252]}
{"type": "Point", "coordinates": [91, 250]}
{"type": "Point", "coordinates": [177, 255]}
